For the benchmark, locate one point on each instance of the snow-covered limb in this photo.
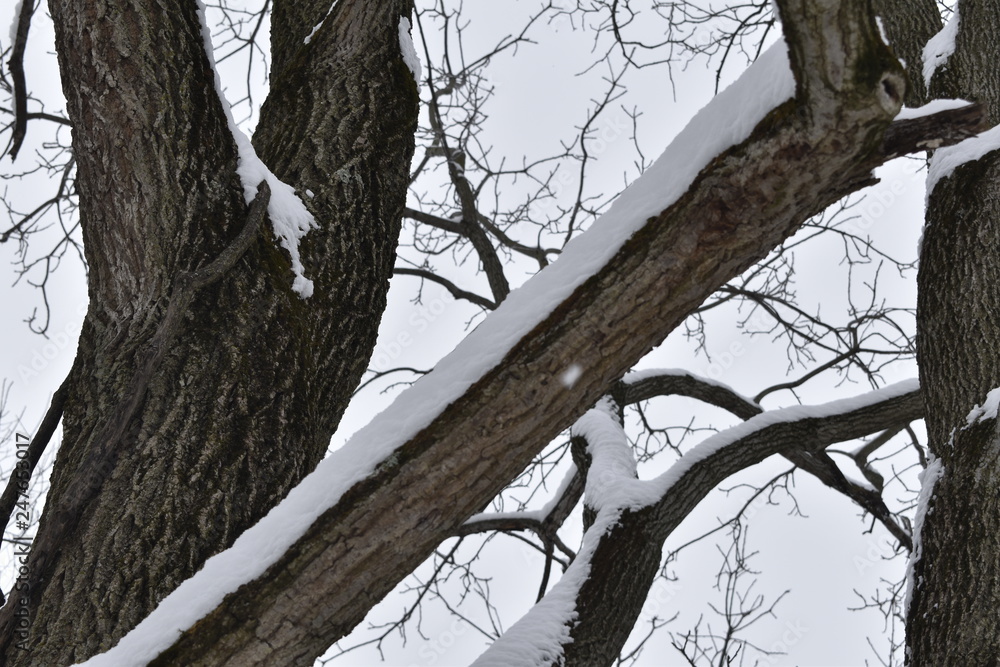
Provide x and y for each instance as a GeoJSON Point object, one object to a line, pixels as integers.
{"type": "Point", "coordinates": [938, 124]}
{"type": "Point", "coordinates": [931, 108]}
{"type": "Point", "coordinates": [647, 384]}
{"type": "Point", "coordinates": [618, 558]}
{"type": "Point", "coordinates": [483, 520]}
{"type": "Point", "coordinates": [537, 639]}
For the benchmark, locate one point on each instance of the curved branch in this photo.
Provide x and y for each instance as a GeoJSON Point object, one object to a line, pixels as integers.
{"type": "Point", "coordinates": [644, 385]}
{"type": "Point", "coordinates": [628, 555]}
{"type": "Point", "coordinates": [16, 66]}
{"type": "Point", "coordinates": [455, 291]}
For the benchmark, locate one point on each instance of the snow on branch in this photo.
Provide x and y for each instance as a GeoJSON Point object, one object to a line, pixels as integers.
{"type": "Point", "coordinates": [946, 160]}
{"type": "Point", "coordinates": [642, 385]}
{"type": "Point", "coordinates": [290, 219]}
{"type": "Point", "coordinates": [537, 639]}
{"type": "Point", "coordinates": [624, 503]}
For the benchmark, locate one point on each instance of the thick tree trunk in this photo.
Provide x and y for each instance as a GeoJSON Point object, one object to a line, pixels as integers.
{"type": "Point", "coordinates": [953, 616]}
{"type": "Point", "coordinates": [243, 402]}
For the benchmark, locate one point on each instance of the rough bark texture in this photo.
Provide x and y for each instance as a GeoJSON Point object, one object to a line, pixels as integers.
{"type": "Point", "coordinates": [751, 197]}
{"type": "Point", "coordinates": [226, 424]}
{"type": "Point", "coordinates": [953, 615]}
{"type": "Point", "coordinates": [908, 24]}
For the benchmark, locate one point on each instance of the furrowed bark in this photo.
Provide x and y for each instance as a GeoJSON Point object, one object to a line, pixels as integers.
{"type": "Point", "coordinates": [803, 157]}
{"type": "Point", "coordinates": [224, 426]}
{"type": "Point", "coordinates": [908, 24]}
{"type": "Point", "coordinates": [952, 617]}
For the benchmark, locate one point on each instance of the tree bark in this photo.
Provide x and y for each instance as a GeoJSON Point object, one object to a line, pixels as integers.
{"type": "Point", "coordinates": [242, 404]}
{"type": "Point", "coordinates": [952, 617]}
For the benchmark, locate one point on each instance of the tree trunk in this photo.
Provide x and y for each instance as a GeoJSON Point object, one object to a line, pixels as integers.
{"type": "Point", "coordinates": [953, 617]}
{"type": "Point", "coordinates": [224, 424]}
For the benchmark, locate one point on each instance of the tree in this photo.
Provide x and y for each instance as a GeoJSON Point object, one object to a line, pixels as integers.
{"type": "Point", "coordinates": [163, 464]}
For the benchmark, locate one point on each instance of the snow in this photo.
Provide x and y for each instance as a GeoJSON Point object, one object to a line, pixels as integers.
{"type": "Point", "coordinates": [290, 219]}
{"type": "Point", "coordinates": [725, 121]}
{"type": "Point", "coordinates": [940, 47]}
{"type": "Point", "coordinates": [933, 107]}
{"type": "Point", "coordinates": [881, 30]}
{"type": "Point", "coordinates": [410, 56]}
{"type": "Point", "coordinates": [928, 478]}
{"type": "Point", "coordinates": [946, 160]}
{"type": "Point", "coordinates": [638, 376]}
{"type": "Point", "coordinates": [636, 494]}
{"type": "Point", "coordinates": [320, 24]}
{"type": "Point", "coordinates": [988, 410]}
{"type": "Point", "coordinates": [529, 515]}
{"type": "Point", "coordinates": [538, 637]}
{"type": "Point", "coordinates": [612, 473]}
{"type": "Point", "coordinates": [571, 375]}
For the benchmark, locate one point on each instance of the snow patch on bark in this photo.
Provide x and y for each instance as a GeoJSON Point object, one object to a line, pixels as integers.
{"type": "Point", "coordinates": [928, 478]}
{"type": "Point", "coordinates": [320, 24]}
{"type": "Point", "coordinates": [410, 56]}
{"type": "Point", "coordinates": [940, 47]}
{"type": "Point", "coordinates": [988, 410]}
{"type": "Point", "coordinates": [929, 109]}
{"type": "Point", "coordinates": [290, 219]}
{"type": "Point", "coordinates": [946, 160]}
